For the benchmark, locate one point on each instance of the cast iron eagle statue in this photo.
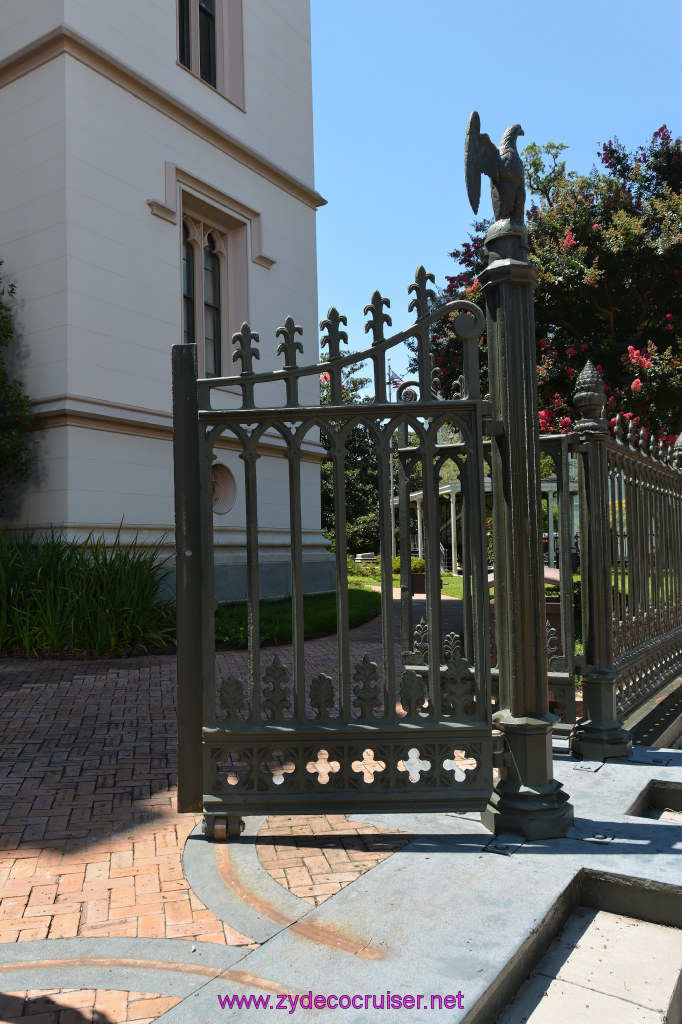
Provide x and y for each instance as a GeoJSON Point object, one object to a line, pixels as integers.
{"type": "Point", "coordinates": [503, 167]}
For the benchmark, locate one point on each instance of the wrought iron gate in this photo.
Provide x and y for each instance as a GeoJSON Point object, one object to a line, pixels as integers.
{"type": "Point", "coordinates": [411, 733]}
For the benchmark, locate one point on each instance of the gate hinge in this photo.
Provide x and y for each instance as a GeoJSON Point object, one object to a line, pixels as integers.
{"type": "Point", "coordinates": [491, 427]}
{"type": "Point", "coordinates": [501, 753]}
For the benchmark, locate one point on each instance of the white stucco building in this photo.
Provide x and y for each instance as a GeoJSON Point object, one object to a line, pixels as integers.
{"type": "Point", "coordinates": [156, 183]}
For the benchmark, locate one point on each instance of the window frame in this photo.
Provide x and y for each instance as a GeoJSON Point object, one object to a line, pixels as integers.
{"type": "Point", "coordinates": [204, 224]}
{"type": "Point", "coordinates": [228, 25]}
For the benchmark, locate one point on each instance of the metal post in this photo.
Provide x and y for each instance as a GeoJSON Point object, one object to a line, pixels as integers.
{"type": "Point", "coordinates": [600, 735]}
{"type": "Point", "coordinates": [420, 538]}
{"type": "Point", "coordinates": [551, 560]}
{"type": "Point", "coordinates": [187, 457]}
{"type": "Point", "coordinates": [453, 529]}
{"type": "Point", "coordinates": [527, 799]}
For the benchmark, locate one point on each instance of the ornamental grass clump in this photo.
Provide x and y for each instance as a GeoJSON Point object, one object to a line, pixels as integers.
{"type": "Point", "coordinates": [60, 596]}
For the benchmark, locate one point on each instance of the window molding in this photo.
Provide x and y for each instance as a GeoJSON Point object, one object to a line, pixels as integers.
{"type": "Point", "coordinates": [205, 227]}
{"type": "Point", "coordinates": [228, 42]}
{"type": "Point", "coordinates": [177, 181]}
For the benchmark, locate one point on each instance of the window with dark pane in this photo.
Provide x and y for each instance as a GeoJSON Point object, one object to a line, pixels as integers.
{"type": "Point", "coordinates": [187, 287]}
{"type": "Point", "coordinates": [184, 52]}
{"type": "Point", "coordinates": [211, 310]}
{"type": "Point", "coordinates": [207, 41]}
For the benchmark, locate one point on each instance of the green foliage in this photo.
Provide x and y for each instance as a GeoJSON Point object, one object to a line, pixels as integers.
{"type": "Point", "coordinates": [418, 565]}
{"type": "Point", "coordinates": [319, 613]}
{"type": "Point", "coordinates": [362, 489]}
{"type": "Point", "coordinates": [608, 249]}
{"type": "Point", "coordinates": [62, 596]}
{"type": "Point", "coordinates": [16, 445]}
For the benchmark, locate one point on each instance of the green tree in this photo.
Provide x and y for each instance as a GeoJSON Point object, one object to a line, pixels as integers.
{"type": "Point", "coordinates": [362, 490]}
{"type": "Point", "coordinates": [608, 249]}
{"type": "Point", "coordinates": [16, 446]}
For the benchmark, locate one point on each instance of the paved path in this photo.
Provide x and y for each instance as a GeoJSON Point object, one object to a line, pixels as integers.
{"type": "Point", "coordinates": [114, 908]}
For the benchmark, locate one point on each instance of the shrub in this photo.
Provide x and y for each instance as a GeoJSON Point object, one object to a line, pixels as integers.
{"type": "Point", "coordinates": [416, 565]}
{"type": "Point", "coordinates": [64, 596]}
{"type": "Point", "coordinates": [16, 444]}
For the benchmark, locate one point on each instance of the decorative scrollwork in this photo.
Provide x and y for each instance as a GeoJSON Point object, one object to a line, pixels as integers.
{"type": "Point", "coordinates": [366, 692]}
{"type": "Point", "coordinates": [277, 690]}
{"type": "Point", "coordinates": [406, 392]}
{"type": "Point", "coordinates": [421, 640]}
{"type": "Point", "coordinates": [552, 644]}
{"type": "Point", "coordinates": [412, 694]}
{"type": "Point", "coordinates": [232, 698]}
{"type": "Point", "coordinates": [458, 685]}
{"type": "Point", "coordinates": [322, 696]}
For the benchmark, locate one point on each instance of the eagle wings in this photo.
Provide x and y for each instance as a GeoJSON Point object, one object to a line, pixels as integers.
{"type": "Point", "coordinates": [503, 166]}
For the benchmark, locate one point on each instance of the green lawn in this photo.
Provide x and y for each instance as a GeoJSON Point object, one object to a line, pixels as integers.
{"type": "Point", "coordinates": [319, 612]}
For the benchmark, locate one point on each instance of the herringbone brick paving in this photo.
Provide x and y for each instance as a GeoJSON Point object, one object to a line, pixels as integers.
{"type": "Point", "coordinates": [83, 1006]}
{"type": "Point", "coordinates": [90, 841]}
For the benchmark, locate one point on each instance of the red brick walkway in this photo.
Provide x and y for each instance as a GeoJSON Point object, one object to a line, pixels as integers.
{"type": "Point", "coordinates": [90, 842]}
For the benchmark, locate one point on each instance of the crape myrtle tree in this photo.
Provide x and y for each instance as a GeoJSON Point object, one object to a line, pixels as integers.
{"type": "Point", "coordinates": [16, 445]}
{"type": "Point", "coordinates": [608, 249]}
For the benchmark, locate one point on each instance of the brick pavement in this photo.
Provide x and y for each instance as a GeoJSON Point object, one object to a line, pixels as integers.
{"type": "Point", "coordinates": [83, 1006]}
{"type": "Point", "coordinates": [90, 841]}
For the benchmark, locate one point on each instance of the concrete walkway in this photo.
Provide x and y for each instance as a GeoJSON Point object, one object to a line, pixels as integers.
{"type": "Point", "coordinates": [114, 908]}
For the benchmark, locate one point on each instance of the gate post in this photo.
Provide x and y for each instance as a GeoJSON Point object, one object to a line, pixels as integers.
{"type": "Point", "coordinates": [600, 734]}
{"type": "Point", "coordinates": [527, 799]}
{"type": "Point", "coordinates": [186, 461]}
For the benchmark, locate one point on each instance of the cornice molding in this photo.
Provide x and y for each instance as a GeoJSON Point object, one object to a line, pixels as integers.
{"type": "Point", "coordinates": [95, 414]}
{"type": "Point", "coordinates": [65, 41]}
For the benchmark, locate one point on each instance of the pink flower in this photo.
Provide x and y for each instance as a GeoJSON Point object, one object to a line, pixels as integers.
{"type": "Point", "coordinates": [570, 352]}
{"type": "Point", "coordinates": [668, 316]}
{"type": "Point", "coordinates": [571, 370]}
{"type": "Point", "coordinates": [599, 370]}
{"type": "Point", "coordinates": [636, 384]}
{"type": "Point", "coordinates": [569, 240]}
{"type": "Point", "coordinates": [595, 227]}
{"type": "Point", "coordinates": [565, 421]}
{"type": "Point", "coordinates": [583, 346]}
{"type": "Point", "coordinates": [325, 377]}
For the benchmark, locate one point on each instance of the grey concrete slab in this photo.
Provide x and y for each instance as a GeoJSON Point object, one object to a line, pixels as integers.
{"type": "Point", "coordinates": [618, 956]}
{"type": "Point", "coordinates": [544, 1001]}
{"type": "Point", "coordinates": [203, 876]}
{"type": "Point", "coordinates": [181, 951]}
{"type": "Point", "coordinates": [448, 916]}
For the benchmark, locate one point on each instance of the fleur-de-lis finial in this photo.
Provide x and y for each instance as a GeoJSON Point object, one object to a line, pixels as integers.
{"type": "Point", "coordinates": [245, 351]}
{"type": "Point", "coordinates": [423, 294]}
{"type": "Point", "coordinates": [334, 336]}
{"type": "Point", "coordinates": [377, 318]}
{"type": "Point", "coordinates": [289, 346]}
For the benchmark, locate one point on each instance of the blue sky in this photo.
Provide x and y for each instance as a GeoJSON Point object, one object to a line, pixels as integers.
{"type": "Point", "coordinates": [394, 82]}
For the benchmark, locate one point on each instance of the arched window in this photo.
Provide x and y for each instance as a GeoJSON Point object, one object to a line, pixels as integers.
{"type": "Point", "coordinates": [212, 360]}
{"type": "Point", "coordinates": [187, 287]}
